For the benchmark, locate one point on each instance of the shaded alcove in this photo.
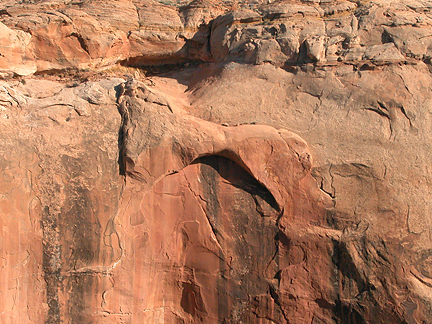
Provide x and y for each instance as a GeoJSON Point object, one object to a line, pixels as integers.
{"type": "Point", "coordinates": [243, 216]}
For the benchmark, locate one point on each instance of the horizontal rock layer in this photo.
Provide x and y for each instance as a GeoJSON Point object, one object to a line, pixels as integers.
{"type": "Point", "coordinates": [71, 35]}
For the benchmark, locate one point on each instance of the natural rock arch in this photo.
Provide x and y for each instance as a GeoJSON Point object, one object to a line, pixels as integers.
{"type": "Point", "coordinates": [160, 138]}
{"type": "Point", "coordinates": [159, 145]}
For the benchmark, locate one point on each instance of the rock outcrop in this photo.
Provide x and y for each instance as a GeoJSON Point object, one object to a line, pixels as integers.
{"type": "Point", "coordinates": [71, 35]}
{"type": "Point", "coordinates": [215, 162]}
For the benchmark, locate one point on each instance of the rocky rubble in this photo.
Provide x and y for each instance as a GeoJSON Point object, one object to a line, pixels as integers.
{"type": "Point", "coordinates": [215, 162]}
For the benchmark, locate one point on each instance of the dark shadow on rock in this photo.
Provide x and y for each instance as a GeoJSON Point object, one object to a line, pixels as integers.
{"type": "Point", "coordinates": [239, 178]}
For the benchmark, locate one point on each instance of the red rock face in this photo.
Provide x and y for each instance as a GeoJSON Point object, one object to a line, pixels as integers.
{"type": "Point", "coordinates": [207, 248]}
{"type": "Point", "coordinates": [187, 227]}
{"type": "Point", "coordinates": [281, 175]}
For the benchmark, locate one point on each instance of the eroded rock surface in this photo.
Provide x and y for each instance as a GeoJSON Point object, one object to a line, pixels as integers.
{"type": "Point", "coordinates": [266, 163]}
{"type": "Point", "coordinates": [45, 36]}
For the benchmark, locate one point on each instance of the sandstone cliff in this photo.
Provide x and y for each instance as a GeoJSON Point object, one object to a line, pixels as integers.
{"type": "Point", "coordinates": [215, 162]}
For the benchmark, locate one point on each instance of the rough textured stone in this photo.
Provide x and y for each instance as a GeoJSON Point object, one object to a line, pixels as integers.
{"type": "Point", "coordinates": [64, 35]}
{"type": "Point", "coordinates": [15, 55]}
{"type": "Point", "coordinates": [280, 175]}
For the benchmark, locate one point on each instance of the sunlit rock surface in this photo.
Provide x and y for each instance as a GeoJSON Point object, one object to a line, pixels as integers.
{"type": "Point", "coordinates": [215, 162]}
